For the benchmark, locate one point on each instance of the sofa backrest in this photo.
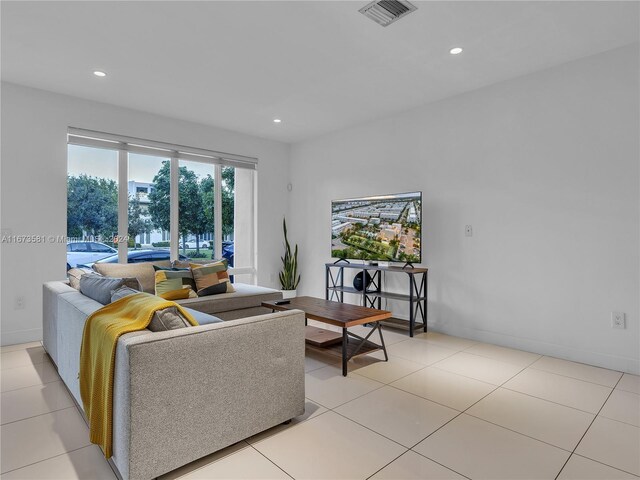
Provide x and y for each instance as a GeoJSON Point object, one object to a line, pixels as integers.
{"type": "Point", "coordinates": [144, 272]}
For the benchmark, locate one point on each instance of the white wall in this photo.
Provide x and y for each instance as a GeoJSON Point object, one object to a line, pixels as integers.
{"type": "Point", "coordinates": [546, 170]}
{"type": "Point", "coordinates": [33, 187]}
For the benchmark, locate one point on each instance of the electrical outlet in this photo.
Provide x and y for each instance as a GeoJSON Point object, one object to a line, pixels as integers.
{"type": "Point", "coordinates": [20, 302]}
{"type": "Point", "coordinates": [617, 320]}
{"type": "Point", "coordinates": [468, 231]}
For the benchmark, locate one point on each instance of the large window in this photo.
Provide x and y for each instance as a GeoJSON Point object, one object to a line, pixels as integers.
{"type": "Point", "coordinates": [196, 217]}
{"type": "Point", "coordinates": [149, 206]}
{"type": "Point", "coordinates": [92, 194]}
{"type": "Point", "coordinates": [151, 199]}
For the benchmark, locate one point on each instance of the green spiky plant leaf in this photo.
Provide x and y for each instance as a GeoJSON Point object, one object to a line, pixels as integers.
{"type": "Point", "coordinates": [289, 277]}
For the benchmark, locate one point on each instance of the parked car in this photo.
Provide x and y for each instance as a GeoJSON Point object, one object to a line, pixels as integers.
{"type": "Point", "coordinates": [227, 252]}
{"type": "Point", "coordinates": [191, 243]}
{"type": "Point", "coordinates": [139, 256]}
{"type": "Point", "coordinates": [83, 252]}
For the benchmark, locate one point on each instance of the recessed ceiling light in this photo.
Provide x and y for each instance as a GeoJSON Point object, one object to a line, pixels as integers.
{"type": "Point", "coordinates": [455, 51]}
{"type": "Point", "coordinates": [277, 120]}
{"type": "Point", "coordinates": [99, 73]}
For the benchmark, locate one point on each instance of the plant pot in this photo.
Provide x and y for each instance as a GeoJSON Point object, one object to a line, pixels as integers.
{"type": "Point", "coordinates": [289, 293]}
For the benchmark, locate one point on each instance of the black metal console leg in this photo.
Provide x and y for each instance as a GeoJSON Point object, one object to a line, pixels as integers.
{"type": "Point", "coordinates": [426, 300]}
{"type": "Point", "coordinates": [344, 352]}
{"type": "Point", "coordinates": [384, 348]}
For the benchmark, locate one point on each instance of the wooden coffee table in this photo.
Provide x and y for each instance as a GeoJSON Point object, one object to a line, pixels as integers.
{"type": "Point", "coordinates": [346, 344]}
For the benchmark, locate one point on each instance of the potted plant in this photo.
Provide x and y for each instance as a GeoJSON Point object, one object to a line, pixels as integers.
{"type": "Point", "coordinates": [289, 278]}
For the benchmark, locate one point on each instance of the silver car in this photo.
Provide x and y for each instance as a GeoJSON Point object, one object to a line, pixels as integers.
{"type": "Point", "coordinates": [87, 252]}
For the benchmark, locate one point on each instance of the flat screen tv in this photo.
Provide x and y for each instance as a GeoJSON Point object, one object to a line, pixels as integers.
{"type": "Point", "coordinates": [387, 228]}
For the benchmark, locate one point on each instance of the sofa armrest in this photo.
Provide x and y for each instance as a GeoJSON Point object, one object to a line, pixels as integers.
{"type": "Point", "coordinates": [51, 292]}
{"type": "Point", "coordinates": [193, 391]}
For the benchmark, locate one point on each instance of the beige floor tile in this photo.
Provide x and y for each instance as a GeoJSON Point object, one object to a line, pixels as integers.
{"type": "Point", "coordinates": [329, 446]}
{"type": "Point", "coordinates": [629, 383]}
{"type": "Point", "coordinates": [31, 401]}
{"type": "Point", "coordinates": [444, 387]}
{"type": "Point", "coordinates": [398, 415]}
{"type": "Point", "coordinates": [509, 355]}
{"type": "Point", "coordinates": [379, 370]}
{"type": "Point", "coordinates": [546, 421]}
{"type": "Point", "coordinates": [204, 461]}
{"type": "Point", "coordinates": [415, 351]}
{"type": "Point", "coordinates": [20, 377]}
{"type": "Point", "coordinates": [623, 406]}
{"type": "Point", "coordinates": [598, 375]}
{"type": "Point", "coordinates": [480, 368]}
{"type": "Point", "coordinates": [411, 466]}
{"type": "Point", "coordinates": [580, 468]}
{"type": "Point", "coordinates": [327, 387]}
{"type": "Point", "coordinates": [446, 341]}
{"type": "Point", "coordinates": [313, 360]}
{"type": "Point", "coordinates": [560, 389]}
{"type": "Point", "coordinates": [245, 463]}
{"type": "Point", "coordinates": [19, 346]}
{"type": "Point", "coordinates": [87, 462]}
{"type": "Point", "coordinates": [481, 450]}
{"type": "Point", "coordinates": [42, 437]}
{"type": "Point", "coordinates": [311, 410]}
{"type": "Point", "coordinates": [21, 358]}
{"type": "Point", "coordinates": [613, 443]}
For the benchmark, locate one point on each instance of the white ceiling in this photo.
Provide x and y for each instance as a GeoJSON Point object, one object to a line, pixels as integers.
{"type": "Point", "coordinates": [318, 65]}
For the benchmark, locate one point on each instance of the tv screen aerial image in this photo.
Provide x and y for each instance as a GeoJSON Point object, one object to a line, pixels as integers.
{"type": "Point", "coordinates": [384, 227]}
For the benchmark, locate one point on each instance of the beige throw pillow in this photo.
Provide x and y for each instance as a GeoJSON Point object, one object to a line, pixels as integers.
{"type": "Point", "coordinates": [167, 319]}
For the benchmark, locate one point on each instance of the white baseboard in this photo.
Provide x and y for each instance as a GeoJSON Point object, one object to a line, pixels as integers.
{"type": "Point", "coordinates": [20, 336]}
{"type": "Point", "coordinates": [612, 362]}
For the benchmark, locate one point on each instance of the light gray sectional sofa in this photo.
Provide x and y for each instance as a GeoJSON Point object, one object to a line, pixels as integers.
{"type": "Point", "coordinates": [182, 394]}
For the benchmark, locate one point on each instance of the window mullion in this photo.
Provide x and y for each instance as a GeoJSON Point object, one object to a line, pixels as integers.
{"type": "Point", "coordinates": [174, 191]}
{"type": "Point", "coordinates": [123, 206]}
{"type": "Point", "coordinates": [217, 211]}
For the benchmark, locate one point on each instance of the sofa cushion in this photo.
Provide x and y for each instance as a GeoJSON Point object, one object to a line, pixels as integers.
{"type": "Point", "coordinates": [99, 288]}
{"type": "Point", "coordinates": [194, 261]}
{"type": "Point", "coordinates": [122, 292]}
{"type": "Point", "coordinates": [74, 275]}
{"type": "Point", "coordinates": [212, 278]}
{"type": "Point", "coordinates": [142, 271]}
{"type": "Point", "coordinates": [245, 296]}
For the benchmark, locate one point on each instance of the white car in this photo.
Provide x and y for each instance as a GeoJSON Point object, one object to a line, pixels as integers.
{"type": "Point", "coordinates": [191, 243]}
{"type": "Point", "coordinates": [87, 252]}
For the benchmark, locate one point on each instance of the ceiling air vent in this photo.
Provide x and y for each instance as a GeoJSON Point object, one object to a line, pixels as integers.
{"type": "Point", "coordinates": [385, 12]}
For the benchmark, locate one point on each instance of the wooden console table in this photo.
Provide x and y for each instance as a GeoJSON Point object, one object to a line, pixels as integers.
{"type": "Point", "coordinates": [373, 294]}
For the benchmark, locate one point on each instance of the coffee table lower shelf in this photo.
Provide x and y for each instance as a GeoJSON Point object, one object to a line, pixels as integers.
{"type": "Point", "coordinates": [330, 341]}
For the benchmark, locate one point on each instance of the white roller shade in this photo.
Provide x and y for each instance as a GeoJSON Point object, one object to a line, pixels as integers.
{"type": "Point", "coordinates": [90, 138]}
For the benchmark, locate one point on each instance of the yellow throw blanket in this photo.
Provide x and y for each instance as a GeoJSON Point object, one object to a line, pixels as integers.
{"type": "Point", "coordinates": [98, 353]}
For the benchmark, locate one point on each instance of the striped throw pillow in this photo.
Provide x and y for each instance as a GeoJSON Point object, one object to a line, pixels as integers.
{"type": "Point", "coordinates": [211, 278]}
{"type": "Point", "coordinates": [183, 273]}
{"type": "Point", "coordinates": [174, 284]}
{"type": "Point", "coordinates": [179, 294]}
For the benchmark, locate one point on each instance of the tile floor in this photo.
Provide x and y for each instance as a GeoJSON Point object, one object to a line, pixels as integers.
{"type": "Point", "coordinates": [442, 408]}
